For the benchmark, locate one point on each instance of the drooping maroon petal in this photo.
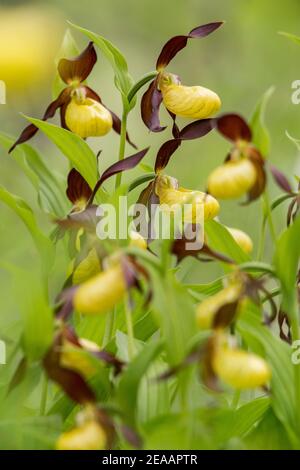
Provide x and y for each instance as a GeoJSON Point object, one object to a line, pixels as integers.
{"type": "Point", "coordinates": [175, 128]}
{"type": "Point", "coordinates": [71, 382]}
{"type": "Point", "coordinates": [109, 359]}
{"type": "Point", "coordinates": [197, 129]}
{"type": "Point", "coordinates": [145, 195]}
{"type": "Point", "coordinates": [261, 177]}
{"type": "Point", "coordinates": [164, 154]}
{"type": "Point", "coordinates": [205, 29]}
{"type": "Point", "coordinates": [175, 44]}
{"type": "Point", "coordinates": [86, 219]}
{"type": "Point", "coordinates": [150, 104]}
{"type": "Point", "coordinates": [225, 315]}
{"type": "Point", "coordinates": [29, 131]}
{"type": "Point", "coordinates": [77, 188]}
{"type": "Point", "coordinates": [122, 165]}
{"type": "Point", "coordinates": [193, 130]}
{"type": "Point", "coordinates": [234, 127]}
{"type": "Point", "coordinates": [79, 67]}
{"type": "Point", "coordinates": [280, 179]}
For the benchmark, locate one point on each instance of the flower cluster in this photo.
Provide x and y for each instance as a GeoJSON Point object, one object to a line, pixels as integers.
{"type": "Point", "coordinates": [109, 278]}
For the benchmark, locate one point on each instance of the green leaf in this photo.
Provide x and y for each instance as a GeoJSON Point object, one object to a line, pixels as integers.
{"type": "Point", "coordinates": [139, 84]}
{"type": "Point", "coordinates": [260, 134]}
{"type": "Point", "coordinates": [204, 290]}
{"type": "Point", "coordinates": [268, 435]}
{"type": "Point", "coordinates": [43, 244]}
{"type": "Point", "coordinates": [278, 355]}
{"type": "Point", "coordinates": [127, 392]}
{"type": "Point", "coordinates": [73, 147]}
{"type": "Point", "coordinates": [220, 240]}
{"type": "Point", "coordinates": [290, 36]}
{"type": "Point", "coordinates": [31, 433]}
{"type": "Point", "coordinates": [48, 184]}
{"type": "Point", "coordinates": [68, 49]}
{"type": "Point", "coordinates": [118, 62]}
{"type": "Point", "coordinates": [36, 314]}
{"type": "Point", "coordinates": [174, 311]}
{"type": "Point", "coordinates": [249, 414]}
{"type": "Point", "coordinates": [286, 262]}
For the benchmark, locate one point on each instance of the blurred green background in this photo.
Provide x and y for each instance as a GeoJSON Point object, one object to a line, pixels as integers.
{"type": "Point", "coordinates": [240, 62]}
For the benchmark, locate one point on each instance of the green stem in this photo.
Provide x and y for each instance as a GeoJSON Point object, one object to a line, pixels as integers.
{"type": "Point", "coordinates": [109, 328]}
{"type": "Point", "coordinates": [269, 217]}
{"type": "Point", "coordinates": [236, 399]}
{"type": "Point", "coordinates": [129, 327]}
{"type": "Point", "coordinates": [122, 145]}
{"type": "Point", "coordinates": [44, 395]}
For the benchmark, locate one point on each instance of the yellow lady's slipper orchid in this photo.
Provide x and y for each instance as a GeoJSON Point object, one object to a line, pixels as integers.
{"type": "Point", "coordinates": [195, 102]}
{"type": "Point", "coordinates": [203, 205]}
{"type": "Point", "coordinates": [88, 118]}
{"type": "Point", "coordinates": [207, 310]}
{"type": "Point", "coordinates": [88, 436]}
{"type": "Point", "coordinates": [232, 179]}
{"type": "Point", "coordinates": [242, 239]}
{"type": "Point", "coordinates": [73, 357]}
{"type": "Point", "coordinates": [240, 369]}
{"type": "Point", "coordinates": [102, 292]}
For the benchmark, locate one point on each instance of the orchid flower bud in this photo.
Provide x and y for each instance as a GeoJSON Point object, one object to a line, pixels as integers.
{"type": "Point", "coordinates": [137, 240]}
{"type": "Point", "coordinates": [87, 268]}
{"type": "Point", "coordinates": [232, 179]}
{"type": "Point", "coordinates": [242, 239]}
{"type": "Point", "coordinates": [88, 436]}
{"type": "Point", "coordinates": [170, 194]}
{"type": "Point", "coordinates": [208, 309]}
{"type": "Point", "coordinates": [240, 369]}
{"type": "Point", "coordinates": [194, 102]}
{"type": "Point", "coordinates": [102, 292]}
{"type": "Point", "coordinates": [87, 118]}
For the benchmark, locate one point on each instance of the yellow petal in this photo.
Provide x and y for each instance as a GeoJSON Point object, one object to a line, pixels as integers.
{"type": "Point", "coordinates": [102, 292]}
{"type": "Point", "coordinates": [89, 436]}
{"type": "Point", "coordinates": [195, 102]}
{"type": "Point", "coordinates": [75, 358]}
{"type": "Point", "coordinates": [239, 369]}
{"type": "Point", "coordinates": [137, 240]}
{"type": "Point", "coordinates": [206, 311]}
{"type": "Point", "coordinates": [88, 118]}
{"type": "Point", "coordinates": [203, 205]}
{"type": "Point", "coordinates": [242, 239]}
{"type": "Point", "coordinates": [232, 179]}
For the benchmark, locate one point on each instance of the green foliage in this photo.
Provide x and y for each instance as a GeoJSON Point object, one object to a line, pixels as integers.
{"type": "Point", "coordinates": [149, 355]}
